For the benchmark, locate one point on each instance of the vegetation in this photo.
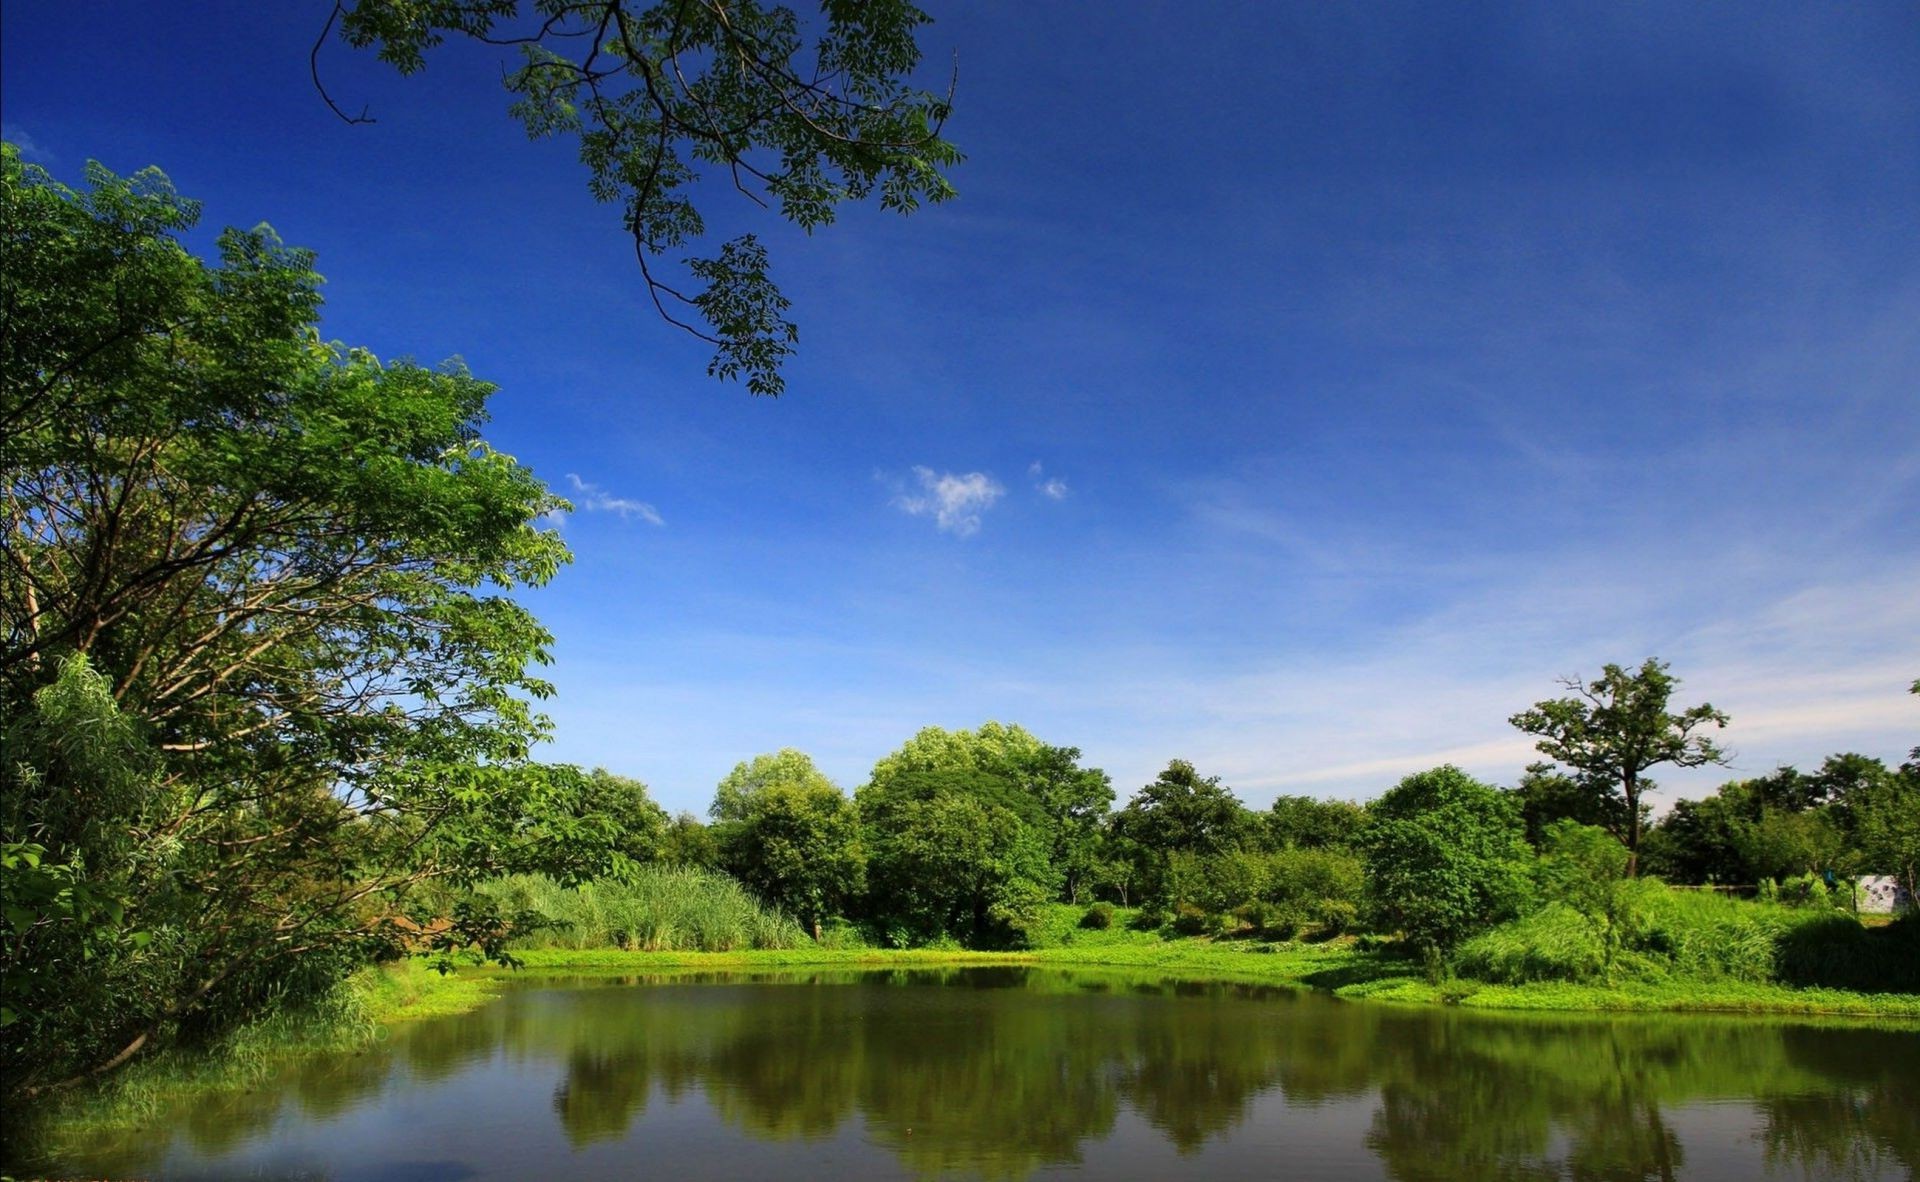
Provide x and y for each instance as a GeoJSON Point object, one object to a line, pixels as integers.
{"type": "Point", "coordinates": [1445, 859]}
{"type": "Point", "coordinates": [1615, 728]}
{"type": "Point", "coordinates": [267, 702]}
{"type": "Point", "coordinates": [653, 909]}
{"type": "Point", "coordinates": [661, 95]}
{"type": "Point", "coordinates": [264, 676]}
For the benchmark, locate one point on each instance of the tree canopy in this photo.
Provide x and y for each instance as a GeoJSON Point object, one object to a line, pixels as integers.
{"type": "Point", "coordinates": [272, 578]}
{"type": "Point", "coordinates": [1444, 859]}
{"type": "Point", "coordinates": [661, 96]}
{"type": "Point", "coordinates": [1611, 730]}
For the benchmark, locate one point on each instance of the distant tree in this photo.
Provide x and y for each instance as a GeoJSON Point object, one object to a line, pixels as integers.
{"type": "Point", "coordinates": [1445, 858]}
{"type": "Point", "coordinates": [1615, 728]}
{"type": "Point", "coordinates": [1886, 827]}
{"type": "Point", "coordinates": [663, 95]}
{"type": "Point", "coordinates": [1181, 812]}
{"type": "Point", "coordinates": [1701, 841]}
{"type": "Point", "coordinates": [1546, 794]}
{"type": "Point", "coordinates": [687, 842]}
{"type": "Point", "coordinates": [945, 859]}
{"type": "Point", "coordinates": [639, 823]}
{"type": "Point", "coordinates": [798, 846]}
{"type": "Point", "coordinates": [1310, 823]}
{"type": "Point", "coordinates": [785, 768]}
{"type": "Point", "coordinates": [1075, 802]}
{"type": "Point", "coordinates": [1062, 804]}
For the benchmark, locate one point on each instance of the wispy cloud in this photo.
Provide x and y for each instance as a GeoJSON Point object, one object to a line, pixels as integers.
{"type": "Point", "coordinates": [954, 501]}
{"type": "Point", "coordinates": [16, 135]}
{"type": "Point", "coordinates": [1051, 487]}
{"type": "Point", "coordinates": [594, 499]}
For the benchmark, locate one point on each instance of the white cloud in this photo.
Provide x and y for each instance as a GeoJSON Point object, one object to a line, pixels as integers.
{"type": "Point", "coordinates": [16, 135]}
{"type": "Point", "coordinates": [1051, 487]}
{"type": "Point", "coordinates": [954, 501]}
{"type": "Point", "coordinates": [594, 499]}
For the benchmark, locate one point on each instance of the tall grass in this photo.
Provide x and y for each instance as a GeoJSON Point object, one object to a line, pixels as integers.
{"type": "Point", "coordinates": [1701, 936]}
{"type": "Point", "coordinates": [659, 909]}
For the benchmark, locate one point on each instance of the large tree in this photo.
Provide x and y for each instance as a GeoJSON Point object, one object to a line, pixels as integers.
{"type": "Point", "coordinates": [789, 833]}
{"type": "Point", "coordinates": [1613, 729]}
{"type": "Point", "coordinates": [262, 669]}
{"type": "Point", "coordinates": [793, 114]}
{"type": "Point", "coordinates": [1445, 858]}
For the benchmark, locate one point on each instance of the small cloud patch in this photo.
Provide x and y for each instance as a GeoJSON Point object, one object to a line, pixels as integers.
{"type": "Point", "coordinates": [955, 501]}
{"type": "Point", "coordinates": [1051, 487]}
{"type": "Point", "coordinates": [594, 499]}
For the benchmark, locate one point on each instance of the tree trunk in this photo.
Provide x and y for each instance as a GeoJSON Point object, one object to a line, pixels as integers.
{"type": "Point", "coordinates": [1631, 785]}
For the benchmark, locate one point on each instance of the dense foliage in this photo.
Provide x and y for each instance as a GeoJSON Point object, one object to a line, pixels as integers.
{"type": "Point", "coordinates": [1445, 859]}
{"type": "Point", "coordinates": [660, 96]}
{"type": "Point", "coordinates": [263, 672]}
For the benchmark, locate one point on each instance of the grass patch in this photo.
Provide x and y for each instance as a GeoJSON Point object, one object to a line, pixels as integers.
{"type": "Point", "coordinates": [660, 909]}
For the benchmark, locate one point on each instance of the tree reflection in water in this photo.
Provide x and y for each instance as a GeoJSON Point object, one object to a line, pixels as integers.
{"type": "Point", "coordinates": [1001, 1072]}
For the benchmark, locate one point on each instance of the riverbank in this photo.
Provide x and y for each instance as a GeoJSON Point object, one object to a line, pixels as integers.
{"type": "Point", "coordinates": [379, 1000]}
{"type": "Point", "coordinates": [1339, 967]}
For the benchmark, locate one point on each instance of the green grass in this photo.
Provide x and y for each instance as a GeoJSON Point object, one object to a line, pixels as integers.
{"type": "Point", "coordinates": [1699, 938]}
{"type": "Point", "coordinates": [660, 909]}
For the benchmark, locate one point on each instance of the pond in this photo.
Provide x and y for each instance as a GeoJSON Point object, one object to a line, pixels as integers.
{"type": "Point", "coordinates": [1017, 1073]}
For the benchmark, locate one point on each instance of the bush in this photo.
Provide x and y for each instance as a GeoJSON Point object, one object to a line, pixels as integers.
{"type": "Point", "coordinates": [1098, 917]}
{"type": "Point", "coordinates": [1149, 918]}
{"type": "Point", "coordinates": [1189, 920]}
{"type": "Point", "coordinates": [1335, 916]}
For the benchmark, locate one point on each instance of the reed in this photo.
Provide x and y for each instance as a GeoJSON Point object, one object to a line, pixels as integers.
{"type": "Point", "coordinates": [656, 909]}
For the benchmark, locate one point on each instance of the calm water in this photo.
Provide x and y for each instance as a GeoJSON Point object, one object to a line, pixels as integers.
{"type": "Point", "coordinates": [1012, 1073]}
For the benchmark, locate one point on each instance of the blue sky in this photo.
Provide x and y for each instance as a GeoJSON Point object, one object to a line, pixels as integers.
{"type": "Point", "coordinates": [1294, 389]}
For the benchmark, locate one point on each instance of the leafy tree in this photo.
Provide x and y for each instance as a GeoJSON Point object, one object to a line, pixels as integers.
{"type": "Point", "coordinates": [1886, 825]}
{"type": "Point", "coordinates": [1613, 729]}
{"type": "Point", "coordinates": [1063, 804]}
{"type": "Point", "coordinates": [1702, 841]}
{"type": "Point", "coordinates": [661, 96]}
{"type": "Point", "coordinates": [946, 859]}
{"type": "Point", "coordinates": [1546, 795]}
{"type": "Point", "coordinates": [790, 834]}
{"type": "Point", "coordinates": [687, 842]}
{"type": "Point", "coordinates": [785, 768]}
{"type": "Point", "coordinates": [278, 573]}
{"type": "Point", "coordinates": [639, 824]}
{"type": "Point", "coordinates": [1445, 858]}
{"type": "Point", "coordinates": [1074, 802]}
{"type": "Point", "coordinates": [1309, 823]}
{"type": "Point", "coordinates": [1182, 811]}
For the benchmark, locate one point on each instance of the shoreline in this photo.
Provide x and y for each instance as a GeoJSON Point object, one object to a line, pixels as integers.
{"type": "Point", "coordinates": [390, 996]}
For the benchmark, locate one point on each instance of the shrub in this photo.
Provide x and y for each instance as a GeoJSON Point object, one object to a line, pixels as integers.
{"type": "Point", "coordinates": [1098, 917]}
{"type": "Point", "coordinates": [1445, 860]}
{"type": "Point", "coordinates": [1189, 920]}
{"type": "Point", "coordinates": [1149, 918]}
{"type": "Point", "coordinates": [1335, 916]}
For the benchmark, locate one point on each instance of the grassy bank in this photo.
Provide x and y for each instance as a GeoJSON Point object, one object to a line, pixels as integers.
{"type": "Point", "coordinates": [377, 1000]}
{"type": "Point", "coordinates": [1341, 968]}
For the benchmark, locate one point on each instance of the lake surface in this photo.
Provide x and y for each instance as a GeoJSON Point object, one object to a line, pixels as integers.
{"type": "Point", "coordinates": [1017, 1073]}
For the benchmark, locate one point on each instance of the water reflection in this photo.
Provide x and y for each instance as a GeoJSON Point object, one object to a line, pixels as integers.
{"type": "Point", "coordinates": [1007, 1072]}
